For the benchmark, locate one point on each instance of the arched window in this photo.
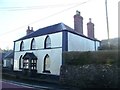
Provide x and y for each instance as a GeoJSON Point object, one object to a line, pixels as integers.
{"type": "Point", "coordinates": [20, 62]}
{"type": "Point", "coordinates": [47, 64]}
{"type": "Point", "coordinates": [47, 43]}
{"type": "Point", "coordinates": [32, 44]}
{"type": "Point", "coordinates": [22, 46]}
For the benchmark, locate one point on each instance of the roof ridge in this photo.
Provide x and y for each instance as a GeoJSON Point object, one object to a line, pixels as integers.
{"type": "Point", "coordinates": [47, 30]}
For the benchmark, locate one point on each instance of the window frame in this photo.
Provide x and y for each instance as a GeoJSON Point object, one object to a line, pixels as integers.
{"type": "Point", "coordinates": [33, 45]}
{"type": "Point", "coordinates": [47, 42]}
{"type": "Point", "coordinates": [20, 62]}
{"type": "Point", "coordinates": [45, 61]}
{"type": "Point", "coordinates": [25, 64]}
{"type": "Point", "coordinates": [22, 46]}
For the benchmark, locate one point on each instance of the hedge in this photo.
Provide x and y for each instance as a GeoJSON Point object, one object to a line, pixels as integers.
{"type": "Point", "coordinates": [91, 57]}
{"type": "Point", "coordinates": [90, 76]}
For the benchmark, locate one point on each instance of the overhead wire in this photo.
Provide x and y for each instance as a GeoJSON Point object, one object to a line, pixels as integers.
{"type": "Point", "coordinates": [46, 17]}
{"type": "Point", "coordinates": [34, 7]}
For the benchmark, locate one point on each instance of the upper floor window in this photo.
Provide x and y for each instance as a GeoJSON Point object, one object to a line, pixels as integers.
{"type": "Point", "coordinates": [21, 46]}
{"type": "Point", "coordinates": [47, 43]}
{"type": "Point", "coordinates": [32, 44]}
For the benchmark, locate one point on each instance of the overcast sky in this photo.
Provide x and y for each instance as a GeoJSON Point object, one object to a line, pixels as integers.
{"type": "Point", "coordinates": [16, 15]}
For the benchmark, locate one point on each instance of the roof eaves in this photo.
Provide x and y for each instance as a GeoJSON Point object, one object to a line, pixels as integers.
{"type": "Point", "coordinates": [47, 30]}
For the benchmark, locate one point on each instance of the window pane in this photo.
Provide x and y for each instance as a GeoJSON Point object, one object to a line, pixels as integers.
{"type": "Point", "coordinates": [33, 44]}
{"type": "Point", "coordinates": [47, 63]}
{"type": "Point", "coordinates": [22, 46]}
{"type": "Point", "coordinates": [48, 42]}
{"type": "Point", "coordinates": [32, 61]}
{"type": "Point", "coordinates": [20, 62]}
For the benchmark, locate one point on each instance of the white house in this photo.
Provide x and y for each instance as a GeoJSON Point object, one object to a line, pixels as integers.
{"type": "Point", "coordinates": [41, 50]}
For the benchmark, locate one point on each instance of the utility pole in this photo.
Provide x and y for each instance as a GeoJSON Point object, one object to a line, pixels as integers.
{"type": "Point", "coordinates": [107, 23]}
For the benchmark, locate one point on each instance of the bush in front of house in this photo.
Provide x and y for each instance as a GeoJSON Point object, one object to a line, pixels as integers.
{"type": "Point", "coordinates": [107, 47]}
{"type": "Point", "coordinates": [91, 57]}
{"type": "Point", "coordinates": [89, 76]}
{"type": "Point", "coordinates": [96, 69]}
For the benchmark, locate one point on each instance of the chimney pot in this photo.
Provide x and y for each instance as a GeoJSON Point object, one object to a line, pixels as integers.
{"type": "Point", "coordinates": [78, 23]}
{"type": "Point", "coordinates": [32, 28]}
{"type": "Point", "coordinates": [77, 12]}
{"type": "Point", "coordinates": [28, 27]}
{"type": "Point", "coordinates": [90, 19]}
{"type": "Point", "coordinates": [28, 31]}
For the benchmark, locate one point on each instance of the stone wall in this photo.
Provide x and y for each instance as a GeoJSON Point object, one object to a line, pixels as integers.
{"type": "Point", "coordinates": [90, 76]}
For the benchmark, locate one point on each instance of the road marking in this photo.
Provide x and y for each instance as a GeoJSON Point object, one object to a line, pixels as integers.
{"type": "Point", "coordinates": [17, 84]}
{"type": "Point", "coordinates": [26, 85]}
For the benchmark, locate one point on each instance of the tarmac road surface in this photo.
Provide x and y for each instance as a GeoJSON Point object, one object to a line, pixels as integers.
{"type": "Point", "coordinates": [8, 85]}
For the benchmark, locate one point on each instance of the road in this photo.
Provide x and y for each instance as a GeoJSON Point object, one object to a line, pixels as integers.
{"type": "Point", "coordinates": [9, 85]}
{"type": "Point", "coordinates": [6, 84]}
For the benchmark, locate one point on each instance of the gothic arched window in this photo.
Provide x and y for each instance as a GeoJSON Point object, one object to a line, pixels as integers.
{"type": "Point", "coordinates": [47, 43]}
{"type": "Point", "coordinates": [20, 62]}
{"type": "Point", "coordinates": [33, 44]}
{"type": "Point", "coordinates": [47, 64]}
{"type": "Point", "coordinates": [22, 46]}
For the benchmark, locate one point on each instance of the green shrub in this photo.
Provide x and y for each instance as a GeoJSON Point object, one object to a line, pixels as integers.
{"type": "Point", "coordinates": [93, 57]}
{"type": "Point", "coordinates": [106, 47]}
{"type": "Point", "coordinates": [90, 76]}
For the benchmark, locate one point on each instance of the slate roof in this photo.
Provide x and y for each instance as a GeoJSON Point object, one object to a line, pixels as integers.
{"type": "Point", "coordinates": [9, 55]}
{"type": "Point", "coordinates": [29, 56]}
{"type": "Point", "coordinates": [47, 30]}
{"type": "Point", "coordinates": [53, 29]}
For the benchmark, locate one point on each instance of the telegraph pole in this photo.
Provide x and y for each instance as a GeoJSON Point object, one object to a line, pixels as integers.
{"type": "Point", "coordinates": [107, 23]}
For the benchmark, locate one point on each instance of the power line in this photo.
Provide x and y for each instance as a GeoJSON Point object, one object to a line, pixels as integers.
{"type": "Point", "coordinates": [47, 17]}
{"type": "Point", "coordinates": [35, 7]}
{"type": "Point", "coordinates": [28, 8]}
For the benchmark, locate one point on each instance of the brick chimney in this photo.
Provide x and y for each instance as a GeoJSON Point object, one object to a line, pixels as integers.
{"type": "Point", "coordinates": [90, 29]}
{"type": "Point", "coordinates": [28, 31]}
{"type": "Point", "coordinates": [78, 23]}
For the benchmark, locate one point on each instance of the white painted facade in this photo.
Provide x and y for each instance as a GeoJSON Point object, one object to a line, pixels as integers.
{"type": "Point", "coordinates": [97, 44]}
{"type": "Point", "coordinates": [55, 52]}
{"type": "Point", "coordinates": [73, 41]}
{"type": "Point", "coordinates": [79, 43]}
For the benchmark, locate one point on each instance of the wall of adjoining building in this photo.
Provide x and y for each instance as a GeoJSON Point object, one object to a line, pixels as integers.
{"type": "Point", "coordinates": [79, 43]}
